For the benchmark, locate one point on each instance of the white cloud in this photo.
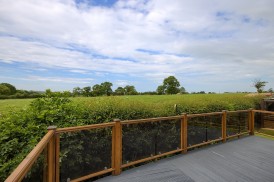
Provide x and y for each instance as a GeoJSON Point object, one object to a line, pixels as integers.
{"type": "Point", "coordinates": [223, 40]}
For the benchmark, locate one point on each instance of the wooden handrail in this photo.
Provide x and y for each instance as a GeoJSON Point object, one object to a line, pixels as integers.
{"type": "Point", "coordinates": [204, 114]}
{"type": "Point", "coordinates": [87, 127]}
{"type": "Point", "coordinates": [137, 121]}
{"type": "Point", "coordinates": [19, 173]}
{"type": "Point", "coordinates": [264, 112]}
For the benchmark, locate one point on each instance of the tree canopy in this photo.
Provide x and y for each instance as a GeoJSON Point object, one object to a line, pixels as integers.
{"type": "Point", "coordinates": [259, 85]}
{"type": "Point", "coordinates": [170, 86]}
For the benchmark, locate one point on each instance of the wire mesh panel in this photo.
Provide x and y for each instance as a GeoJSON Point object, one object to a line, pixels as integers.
{"type": "Point", "coordinates": [168, 136]}
{"type": "Point", "coordinates": [204, 128]}
{"type": "Point", "coordinates": [264, 120]}
{"type": "Point", "coordinates": [84, 152]}
{"type": "Point", "coordinates": [236, 122]}
{"type": "Point", "coordinates": [38, 171]}
{"type": "Point", "coordinates": [213, 127]}
{"type": "Point", "coordinates": [143, 140]}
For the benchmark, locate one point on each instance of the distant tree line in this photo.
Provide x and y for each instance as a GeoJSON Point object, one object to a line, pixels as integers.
{"type": "Point", "coordinates": [8, 91]}
{"type": "Point", "coordinates": [103, 89]}
{"type": "Point", "coordinates": [169, 86]}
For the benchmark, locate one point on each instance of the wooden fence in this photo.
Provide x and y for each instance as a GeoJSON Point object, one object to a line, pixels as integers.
{"type": "Point", "coordinates": [224, 124]}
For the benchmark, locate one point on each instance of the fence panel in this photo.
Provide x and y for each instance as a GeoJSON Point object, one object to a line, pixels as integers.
{"type": "Point", "coordinates": [203, 129]}
{"type": "Point", "coordinates": [38, 171]}
{"type": "Point", "coordinates": [146, 139]}
{"type": "Point", "coordinates": [84, 152]}
{"type": "Point", "coordinates": [237, 122]}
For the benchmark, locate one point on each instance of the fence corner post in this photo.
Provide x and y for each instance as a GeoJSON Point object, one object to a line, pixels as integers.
{"type": "Point", "coordinates": [184, 133]}
{"type": "Point", "coordinates": [51, 156]}
{"type": "Point", "coordinates": [117, 147]}
{"type": "Point", "coordinates": [224, 115]}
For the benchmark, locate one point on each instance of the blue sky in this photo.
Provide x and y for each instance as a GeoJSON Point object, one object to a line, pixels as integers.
{"type": "Point", "coordinates": [207, 45]}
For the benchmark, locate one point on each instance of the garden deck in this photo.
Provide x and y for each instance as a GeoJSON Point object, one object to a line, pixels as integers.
{"type": "Point", "coordinates": [248, 159]}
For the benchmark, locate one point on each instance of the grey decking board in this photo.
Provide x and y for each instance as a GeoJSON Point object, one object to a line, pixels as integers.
{"type": "Point", "coordinates": [247, 159]}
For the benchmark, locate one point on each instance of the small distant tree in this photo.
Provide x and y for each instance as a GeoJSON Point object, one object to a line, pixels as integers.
{"type": "Point", "coordinates": [259, 85]}
{"type": "Point", "coordinates": [119, 91]}
{"type": "Point", "coordinates": [106, 88]}
{"type": "Point", "coordinates": [86, 91]}
{"type": "Point", "coordinates": [182, 90]}
{"type": "Point", "coordinates": [160, 90]}
{"type": "Point", "coordinates": [130, 90]}
{"type": "Point", "coordinates": [97, 90]}
{"type": "Point", "coordinates": [77, 91]}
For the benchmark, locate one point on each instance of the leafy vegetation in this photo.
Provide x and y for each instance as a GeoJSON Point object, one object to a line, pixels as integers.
{"type": "Point", "coordinates": [23, 128]}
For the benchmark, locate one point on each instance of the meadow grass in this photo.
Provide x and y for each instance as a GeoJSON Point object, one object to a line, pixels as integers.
{"type": "Point", "coordinates": [9, 105]}
{"type": "Point", "coordinates": [161, 104]}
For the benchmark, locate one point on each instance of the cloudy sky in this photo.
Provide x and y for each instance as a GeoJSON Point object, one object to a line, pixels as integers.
{"type": "Point", "coordinates": [209, 45]}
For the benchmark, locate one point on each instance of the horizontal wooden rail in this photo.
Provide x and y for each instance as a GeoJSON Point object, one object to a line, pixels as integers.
{"type": "Point", "coordinates": [19, 173]}
{"type": "Point", "coordinates": [93, 175]}
{"type": "Point", "coordinates": [239, 111]}
{"type": "Point", "coordinates": [87, 127]}
{"type": "Point", "coordinates": [205, 143]}
{"type": "Point", "coordinates": [204, 114]}
{"type": "Point", "coordinates": [264, 112]}
{"type": "Point", "coordinates": [237, 135]}
{"type": "Point", "coordinates": [151, 158]}
{"type": "Point", "coordinates": [137, 121]}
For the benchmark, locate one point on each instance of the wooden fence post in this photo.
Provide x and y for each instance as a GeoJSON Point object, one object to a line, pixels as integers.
{"type": "Point", "coordinates": [252, 120]}
{"type": "Point", "coordinates": [184, 133]}
{"type": "Point", "coordinates": [224, 115]}
{"type": "Point", "coordinates": [51, 156]}
{"type": "Point", "coordinates": [117, 147]}
{"type": "Point", "coordinates": [57, 157]}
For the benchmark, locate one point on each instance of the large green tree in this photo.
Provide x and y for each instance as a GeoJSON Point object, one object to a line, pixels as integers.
{"type": "Point", "coordinates": [4, 90]}
{"type": "Point", "coordinates": [170, 86]}
{"type": "Point", "coordinates": [11, 88]}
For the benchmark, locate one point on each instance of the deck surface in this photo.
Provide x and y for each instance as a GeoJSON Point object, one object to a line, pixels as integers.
{"type": "Point", "coordinates": [247, 159]}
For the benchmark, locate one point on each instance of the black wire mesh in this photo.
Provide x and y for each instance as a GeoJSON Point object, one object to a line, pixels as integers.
{"type": "Point", "coordinates": [264, 120]}
{"type": "Point", "coordinates": [148, 139]}
{"type": "Point", "coordinates": [203, 128]}
{"type": "Point", "coordinates": [258, 121]}
{"type": "Point", "coordinates": [38, 171]}
{"type": "Point", "coordinates": [236, 122]}
{"type": "Point", "coordinates": [85, 152]}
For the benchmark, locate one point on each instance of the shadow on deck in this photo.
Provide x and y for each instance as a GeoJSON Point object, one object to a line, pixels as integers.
{"type": "Point", "coordinates": [247, 159]}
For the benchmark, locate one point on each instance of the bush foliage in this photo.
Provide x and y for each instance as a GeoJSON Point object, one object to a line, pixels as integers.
{"type": "Point", "coordinates": [22, 130]}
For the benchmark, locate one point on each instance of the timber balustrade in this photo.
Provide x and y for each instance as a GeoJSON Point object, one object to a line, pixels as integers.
{"type": "Point", "coordinates": [83, 152]}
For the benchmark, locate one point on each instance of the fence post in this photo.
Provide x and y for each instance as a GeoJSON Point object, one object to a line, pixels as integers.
{"type": "Point", "coordinates": [117, 147]}
{"type": "Point", "coordinates": [57, 159]}
{"type": "Point", "coordinates": [51, 156]}
{"type": "Point", "coordinates": [184, 133]}
{"type": "Point", "coordinates": [224, 115]}
{"type": "Point", "coordinates": [252, 120]}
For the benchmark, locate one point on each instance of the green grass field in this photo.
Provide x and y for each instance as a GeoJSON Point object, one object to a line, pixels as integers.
{"type": "Point", "coordinates": [206, 102]}
{"type": "Point", "coordinates": [10, 105]}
